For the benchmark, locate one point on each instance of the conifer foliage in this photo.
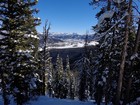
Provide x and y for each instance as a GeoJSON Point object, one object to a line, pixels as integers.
{"type": "Point", "coordinates": [18, 49]}
{"type": "Point", "coordinates": [58, 78]}
{"type": "Point", "coordinates": [69, 79]}
{"type": "Point", "coordinates": [117, 36]}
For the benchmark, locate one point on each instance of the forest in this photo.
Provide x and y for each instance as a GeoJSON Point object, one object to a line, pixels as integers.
{"type": "Point", "coordinates": [109, 71]}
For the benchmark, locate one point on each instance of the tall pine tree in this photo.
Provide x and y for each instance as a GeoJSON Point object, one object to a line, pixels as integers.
{"type": "Point", "coordinates": [18, 49]}
{"type": "Point", "coordinates": [113, 33]}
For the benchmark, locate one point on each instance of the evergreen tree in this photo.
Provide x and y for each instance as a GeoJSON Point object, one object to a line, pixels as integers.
{"type": "Point", "coordinates": [71, 90]}
{"type": "Point", "coordinates": [133, 71]}
{"type": "Point", "coordinates": [91, 75]}
{"type": "Point", "coordinates": [82, 66]}
{"type": "Point", "coordinates": [113, 33]}
{"type": "Point", "coordinates": [50, 75]}
{"type": "Point", "coordinates": [69, 80]}
{"type": "Point", "coordinates": [18, 49]}
{"type": "Point", "coordinates": [58, 78]}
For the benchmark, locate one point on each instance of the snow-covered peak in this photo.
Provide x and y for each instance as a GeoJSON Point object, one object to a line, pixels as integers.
{"type": "Point", "coordinates": [63, 33]}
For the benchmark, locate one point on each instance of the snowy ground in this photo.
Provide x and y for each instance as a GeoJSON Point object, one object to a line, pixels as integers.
{"type": "Point", "coordinates": [53, 101]}
{"type": "Point", "coordinates": [45, 100]}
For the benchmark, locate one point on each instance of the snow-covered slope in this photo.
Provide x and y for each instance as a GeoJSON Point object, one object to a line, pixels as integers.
{"type": "Point", "coordinates": [45, 100]}
{"type": "Point", "coordinates": [53, 101]}
{"type": "Point", "coordinates": [71, 44]}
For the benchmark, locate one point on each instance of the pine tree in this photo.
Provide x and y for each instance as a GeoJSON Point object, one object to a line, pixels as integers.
{"type": "Point", "coordinates": [70, 80]}
{"type": "Point", "coordinates": [58, 78]}
{"type": "Point", "coordinates": [133, 70]}
{"type": "Point", "coordinates": [71, 90]}
{"type": "Point", "coordinates": [124, 51]}
{"type": "Point", "coordinates": [18, 49]}
{"type": "Point", "coordinates": [91, 75]}
{"type": "Point", "coordinates": [112, 52]}
{"type": "Point", "coordinates": [50, 73]}
{"type": "Point", "coordinates": [82, 66]}
{"type": "Point", "coordinates": [102, 59]}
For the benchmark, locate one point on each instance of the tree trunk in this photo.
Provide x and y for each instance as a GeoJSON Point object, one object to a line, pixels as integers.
{"type": "Point", "coordinates": [4, 94]}
{"type": "Point", "coordinates": [123, 59]}
{"type": "Point", "coordinates": [46, 33]}
{"type": "Point", "coordinates": [128, 91]}
{"type": "Point", "coordinates": [137, 38]}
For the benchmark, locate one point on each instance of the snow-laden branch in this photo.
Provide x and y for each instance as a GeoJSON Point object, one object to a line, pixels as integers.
{"type": "Point", "coordinates": [108, 14]}
{"type": "Point", "coordinates": [103, 34]}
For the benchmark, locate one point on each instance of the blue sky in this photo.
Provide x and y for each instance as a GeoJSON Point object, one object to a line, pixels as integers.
{"type": "Point", "coordinates": [67, 15]}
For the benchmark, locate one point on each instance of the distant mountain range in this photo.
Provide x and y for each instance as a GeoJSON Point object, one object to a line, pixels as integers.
{"type": "Point", "coordinates": [71, 44]}
{"type": "Point", "coordinates": [75, 36]}
{"type": "Point", "coordinates": [67, 40]}
{"type": "Point", "coordinates": [60, 37]}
